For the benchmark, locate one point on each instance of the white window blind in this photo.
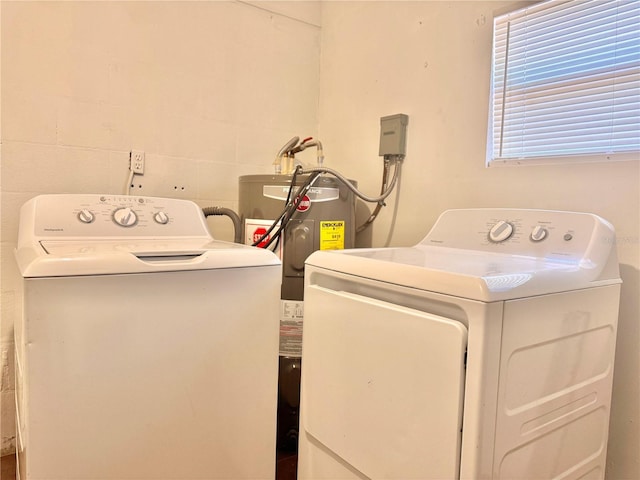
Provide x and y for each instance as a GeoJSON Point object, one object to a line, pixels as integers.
{"type": "Point", "coordinates": [566, 82]}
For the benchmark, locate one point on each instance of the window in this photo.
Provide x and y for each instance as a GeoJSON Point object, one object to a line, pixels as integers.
{"type": "Point", "coordinates": [566, 83]}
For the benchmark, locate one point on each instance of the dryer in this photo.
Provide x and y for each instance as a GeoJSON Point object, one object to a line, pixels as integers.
{"type": "Point", "coordinates": [486, 351]}
{"type": "Point", "coordinates": [147, 349]}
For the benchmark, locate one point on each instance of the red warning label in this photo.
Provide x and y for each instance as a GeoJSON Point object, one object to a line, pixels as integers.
{"type": "Point", "coordinates": [258, 234]}
{"type": "Point", "coordinates": [255, 228]}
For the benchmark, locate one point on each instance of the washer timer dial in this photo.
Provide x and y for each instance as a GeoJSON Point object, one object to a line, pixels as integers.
{"type": "Point", "coordinates": [501, 231]}
{"type": "Point", "coordinates": [125, 217]}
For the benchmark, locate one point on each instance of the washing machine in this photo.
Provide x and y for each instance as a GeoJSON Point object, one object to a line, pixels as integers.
{"type": "Point", "coordinates": [146, 349]}
{"type": "Point", "coordinates": [486, 351]}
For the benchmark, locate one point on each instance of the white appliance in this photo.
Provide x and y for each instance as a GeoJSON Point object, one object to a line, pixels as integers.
{"type": "Point", "coordinates": [147, 349]}
{"type": "Point", "coordinates": [484, 352]}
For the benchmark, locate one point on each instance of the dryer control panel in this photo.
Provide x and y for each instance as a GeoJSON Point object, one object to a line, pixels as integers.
{"type": "Point", "coordinates": [544, 234]}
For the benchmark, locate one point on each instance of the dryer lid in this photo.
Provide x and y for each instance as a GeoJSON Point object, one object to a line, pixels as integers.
{"type": "Point", "coordinates": [461, 256]}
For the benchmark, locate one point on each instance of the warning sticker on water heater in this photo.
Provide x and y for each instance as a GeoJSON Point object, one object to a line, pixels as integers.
{"type": "Point", "coordinates": [256, 229]}
{"type": "Point", "coordinates": [332, 235]}
{"type": "Point", "coordinates": [291, 317]}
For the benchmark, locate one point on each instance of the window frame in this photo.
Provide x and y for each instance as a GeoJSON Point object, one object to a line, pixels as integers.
{"type": "Point", "coordinates": [560, 158]}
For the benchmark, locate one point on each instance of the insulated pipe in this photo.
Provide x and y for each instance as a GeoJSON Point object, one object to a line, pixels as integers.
{"type": "Point", "coordinates": [237, 225]}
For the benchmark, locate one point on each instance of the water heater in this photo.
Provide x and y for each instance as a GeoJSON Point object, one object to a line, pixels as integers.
{"type": "Point", "coordinates": [324, 220]}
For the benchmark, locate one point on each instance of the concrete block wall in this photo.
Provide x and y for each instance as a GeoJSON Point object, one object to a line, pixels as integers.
{"type": "Point", "coordinates": [209, 91]}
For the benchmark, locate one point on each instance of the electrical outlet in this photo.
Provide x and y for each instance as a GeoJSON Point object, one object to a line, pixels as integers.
{"type": "Point", "coordinates": [137, 162]}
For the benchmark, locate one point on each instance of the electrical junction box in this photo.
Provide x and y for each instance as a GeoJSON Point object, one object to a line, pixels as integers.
{"type": "Point", "coordinates": [393, 134]}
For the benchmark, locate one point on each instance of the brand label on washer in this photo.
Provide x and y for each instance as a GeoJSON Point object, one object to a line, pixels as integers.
{"type": "Point", "coordinates": [332, 235]}
{"type": "Point", "coordinates": [291, 316]}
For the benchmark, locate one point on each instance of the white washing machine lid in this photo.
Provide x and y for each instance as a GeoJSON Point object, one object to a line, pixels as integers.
{"type": "Point", "coordinates": [458, 257]}
{"type": "Point", "coordinates": [61, 258]}
{"type": "Point", "coordinates": [70, 235]}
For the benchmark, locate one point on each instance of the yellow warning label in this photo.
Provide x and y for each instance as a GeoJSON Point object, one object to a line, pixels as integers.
{"type": "Point", "coordinates": [332, 235]}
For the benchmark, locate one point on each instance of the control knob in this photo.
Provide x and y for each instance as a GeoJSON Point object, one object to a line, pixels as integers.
{"type": "Point", "coordinates": [86, 216]}
{"type": "Point", "coordinates": [500, 231]}
{"type": "Point", "coordinates": [538, 234]}
{"type": "Point", "coordinates": [125, 217]}
{"type": "Point", "coordinates": [161, 218]}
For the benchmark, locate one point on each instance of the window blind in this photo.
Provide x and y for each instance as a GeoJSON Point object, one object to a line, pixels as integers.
{"type": "Point", "coordinates": [566, 82]}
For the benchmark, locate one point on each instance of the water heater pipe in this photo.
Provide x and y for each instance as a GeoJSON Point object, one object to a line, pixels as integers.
{"type": "Point", "coordinates": [310, 142]}
{"type": "Point", "coordinates": [286, 148]}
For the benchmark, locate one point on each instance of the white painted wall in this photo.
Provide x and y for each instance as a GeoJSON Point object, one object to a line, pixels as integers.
{"type": "Point", "coordinates": [209, 90]}
{"type": "Point", "coordinates": [431, 61]}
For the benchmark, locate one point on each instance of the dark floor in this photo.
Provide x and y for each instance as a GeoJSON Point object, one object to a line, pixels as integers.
{"type": "Point", "coordinates": [285, 470]}
{"type": "Point", "coordinates": [8, 467]}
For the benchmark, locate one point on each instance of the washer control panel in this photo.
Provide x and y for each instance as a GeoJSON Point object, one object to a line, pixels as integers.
{"type": "Point", "coordinates": [85, 215]}
{"type": "Point", "coordinates": [538, 233]}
